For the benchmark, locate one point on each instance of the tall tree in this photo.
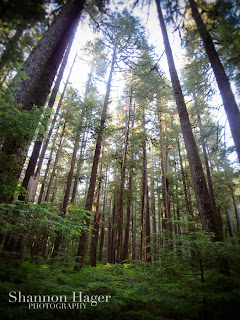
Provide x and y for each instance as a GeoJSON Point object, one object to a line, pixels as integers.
{"type": "Point", "coordinates": [37, 145]}
{"type": "Point", "coordinates": [230, 105]}
{"type": "Point", "coordinates": [119, 212]}
{"type": "Point", "coordinates": [206, 212]}
{"type": "Point", "coordinates": [81, 252]}
{"type": "Point", "coordinates": [35, 174]}
{"type": "Point", "coordinates": [95, 227]}
{"type": "Point", "coordinates": [122, 34]}
{"type": "Point", "coordinates": [40, 68]}
{"type": "Point", "coordinates": [145, 227]}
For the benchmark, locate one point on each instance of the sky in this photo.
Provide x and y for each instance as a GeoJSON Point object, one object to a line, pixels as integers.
{"type": "Point", "coordinates": [149, 18]}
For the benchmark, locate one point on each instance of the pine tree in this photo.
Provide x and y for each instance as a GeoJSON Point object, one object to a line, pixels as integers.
{"type": "Point", "coordinates": [230, 105]}
{"type": "Point", "coordinates": [200, 187]}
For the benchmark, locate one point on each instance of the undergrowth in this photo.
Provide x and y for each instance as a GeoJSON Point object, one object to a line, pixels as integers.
{"type": "Point", "coordinates": [175, 287]}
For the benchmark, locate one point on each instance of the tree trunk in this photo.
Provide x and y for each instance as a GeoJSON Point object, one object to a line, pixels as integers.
{"type": "Point", "coordinates": [47, 167]}
{"type": "Point", "coordinates": [230, 224]}
{"type": "Point", "coordinates": [102, 229]}
{"type": "Point", "coordinates": [40, 67]}
{"type": "Point", "coordinates": [83, 145]}
{"type": "Point", "coordinates": [166, 225]}
{"type": "Point", "coordinates": [79, 166]}
{"type": "Point", "coordinates": [153, 210]}
{"type": "Point", "coordinates": [206, 212]}
{"type": "Point", "coordinates": [119, 213]}
{"type": "Point", "coordinates": [95, 227]}
{"type": "Point", "coordinates": [188, 207]}
{"type": "Point", "coordinates": [134, 232]}
{"type": "Point", "coordinates": [55, 162]}
{"type": "Point", "coordinates": [32, 188]}
{"type": "Point", "coordinates": [70, 174]}
{"type": "Point", "coordinates": [94, 240]}
{"type": "Point", "coordinates": [230, 105]}
{"type": "Point", "coordinates": [81, 252]}
{"type": "Point", "coordinates": [109, 243]}
{"type": "Point", "coordinates": [145, 228]}
{"type": "Point", "coordinates": [209, 179]}
{"type": "Point", "coordinates": [127, 227]}
{"type": "Point", "coordinates": [38, 144]}
{"type": "Point", "coordinates": [31, 166]}
{"type": "Point", "coordinates": [176, 198]}
{"type": "Point", "coordinates": [237, 212]}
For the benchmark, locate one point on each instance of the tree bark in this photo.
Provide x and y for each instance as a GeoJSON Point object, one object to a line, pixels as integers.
{"type": "Point", "coordinates": [32, 188]}
{"type": "Point", "coordinates": [237, 212]}
{"type": "Point", "coordinates": [60, 145]}
{"type": "Point", "coordinates": [209, 179]}
{"type": "Point", "coordinates": [145, 227]}
{"type": "Point", "coordinates": [70, 174]}
{"type": "Point", "coordinates": [102, 229]}
{"type": "Point", "coordinates": [47, 167]}
{"type": "Point", "coordinates": [109, 243]}
{"type": "Point", "coordinates": [188, 207]}
{"type": "Point", "coordinates": [134, 232]}
{"type": "Point", "coordinates": [166, 225]}
{"type": "Point", "coordinates": [230, 105]}
{"type": "Point", "coordinates": [79, 166]}
{"type": "Point", "coordinates": [205, 209]}
{"type": "Point", "coordinates": [40, 67]}
{"type": "Point", "coordinates": [119, 213]}
{"type": "Point", "coordinates": [83, 145]}
{"type": "Point", "coordinates": [230, 224]}
{"type": "Point", "coordinates": [127, 226]}
{"type": "Point", "coordinates": [154, 230]}
{"type": "Point", "coordinates": [38, 144]}
{"type": "Point", "coordinates": [81, 252]}
{"type": "Point", "coordinates": [95, 227]}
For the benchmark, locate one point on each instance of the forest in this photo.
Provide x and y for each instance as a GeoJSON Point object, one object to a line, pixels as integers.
{"type": "Point", "coordinates": [120, 159]}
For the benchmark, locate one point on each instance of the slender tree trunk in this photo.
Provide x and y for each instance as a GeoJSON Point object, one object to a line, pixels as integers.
{"type": "Point", "coordinates": [119, 213]}
{"type": "Point", "coordinates": [145, 228]}
{"type": "Point", "coordinates": [237, 212]}
{"type": "Point", "coordinates": [169, 223]}
{"type": "Point", "coordinates": [40, 67]}
{"type": "Point", "coordinates": [166, 207]}
{"type": "Point", "coordinates": [95, 227]}
{"type": "Point", "coordinates": [38, 144]}
{"type": "Point", "coordinates": [127, 227]}
{"type": "Point", "coordinates": [79, 166]}
{"type": "Point", "coordinates": [47, 167]}
{"type": "Point", "coordinates": [113, 231]}
{"type": "Point", "coordinates": [209, 179]}
{"type": "Point", "coordinates": [188, 207]}
{"type": "Point", "coordinates": [32, 187]}
{"type": "Point", "coordinates": [31, 166]}
{"type": "Point", "coordinates": [134, 232]}
{"type": "Point", "coordinates": [83, 145]}
{"type": "Point", "coordinates": [54, 189]}
{"type": "Point", "coordinates": [81, 252]}
{"type": "Point", "coordinates": [94, 240]}
{"type": "Point", "coordinates": [102, 229]}
{"type": "Point", "coordinates": [55, 162]}
{"type": "Point", "coordinates": [205, 209]}
{"type": "Point", "coordinates": [109, 243]}
{"type": "Point", "coordinates": [153, 210]}
{"type": "Point", "coordinates": [230, 105]}
{"type": "Point", "coordinates": [230, 224]}
{"type": "Point", "coordinates": [176, 197]}
{"type": "Point", "coordinates": [70, 174]}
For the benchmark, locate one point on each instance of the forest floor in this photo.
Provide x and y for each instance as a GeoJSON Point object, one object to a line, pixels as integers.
{"type": "Point", "coordinates": [173, 288]}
